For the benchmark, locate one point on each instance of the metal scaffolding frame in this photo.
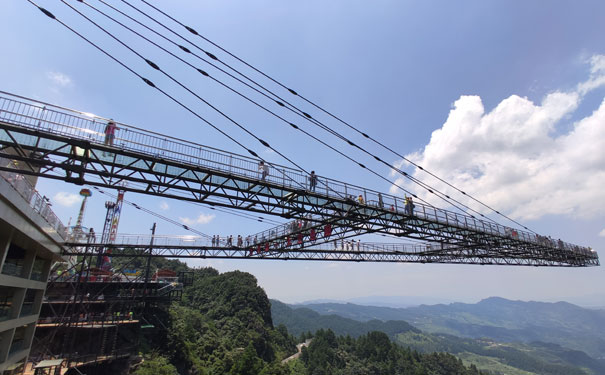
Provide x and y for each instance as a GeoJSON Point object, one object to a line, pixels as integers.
{"type": "Point", "coordinates": [90, 317]}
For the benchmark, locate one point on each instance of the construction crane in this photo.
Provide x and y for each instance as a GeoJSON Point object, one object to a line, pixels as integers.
{"type": "Point", "coordinates": [110, 229]}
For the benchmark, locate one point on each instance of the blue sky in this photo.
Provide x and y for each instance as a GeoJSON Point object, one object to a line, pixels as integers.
{"type": "Point", "coordinates": [504, 98]}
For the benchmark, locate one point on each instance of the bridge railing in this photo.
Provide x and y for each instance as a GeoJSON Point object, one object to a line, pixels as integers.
{"type": "Point", "coordinates": [39, 204]}
{"type": "Point", "coordinates": [159, 241]}
{"type": "Point", "coordinates": [81, 125]}
{"type": "Point", "coordinates": [201, 244]}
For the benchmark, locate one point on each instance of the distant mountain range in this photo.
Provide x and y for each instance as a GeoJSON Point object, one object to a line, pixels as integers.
{"type": "Point", "coordinates": [302, 320]}
{"type": "Point", "coordinates": [385, 301]}
{"type": "Point", "coordinates": [502, 336]}
{"type": "Point", "coordinates": [500, 319]}
{"type": "Point", "coordinates": [593, 301]}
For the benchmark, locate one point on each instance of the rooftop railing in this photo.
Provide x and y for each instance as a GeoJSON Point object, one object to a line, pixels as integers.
{"type": "Point", "coordinates": [40, 204]}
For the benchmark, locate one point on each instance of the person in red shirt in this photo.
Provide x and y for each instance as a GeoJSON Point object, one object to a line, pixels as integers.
{"type": "Point", "coordinates": [110, 132]}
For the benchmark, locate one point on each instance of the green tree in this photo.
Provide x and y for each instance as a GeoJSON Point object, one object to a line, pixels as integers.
{"type": "Point", "coordinates": [156, 365]}
{"type": "Point", "coordinates": [248, 363]}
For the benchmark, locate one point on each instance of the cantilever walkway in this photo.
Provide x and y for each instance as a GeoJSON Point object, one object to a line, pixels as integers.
{"type": "Point", "coordinates": [68, 145]}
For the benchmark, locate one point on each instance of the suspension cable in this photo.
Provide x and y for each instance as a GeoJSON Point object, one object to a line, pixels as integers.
{"type": "Point", "coordinates": [274, 114]}
{"type": "Point", "coordinates": [293, 92]}
{"type": "Point", "coordinates": [432, 190]}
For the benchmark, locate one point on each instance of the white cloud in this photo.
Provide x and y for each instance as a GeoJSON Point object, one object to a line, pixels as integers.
{"type": "Point", "coordinates": [66, 199]}
{"type": "Point", "coordinates": [59, 79]}
{"type": "Point", "coordinates": [164, 206]}
{"type": "Point", "coordinates": [202, 219]}
{"type": "Point", "coordinates": [512, 159]}
{"type": "Point", "coordinates": [602, 233]}
{"type": "Point", "coordinates": [597, 75]}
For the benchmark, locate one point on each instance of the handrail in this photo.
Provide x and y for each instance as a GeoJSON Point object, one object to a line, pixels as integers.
{"type": "Point", "coordinates": [194, 242]}
{"type": "Point", "coordinates": [46, 117]}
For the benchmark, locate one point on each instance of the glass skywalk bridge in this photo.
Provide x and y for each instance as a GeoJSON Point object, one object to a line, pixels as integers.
{"type": "Point", "coordinates": [63, 144]}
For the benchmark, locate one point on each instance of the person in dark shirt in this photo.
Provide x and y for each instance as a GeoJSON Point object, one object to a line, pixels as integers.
{"type": "Point", "coordinates": [312, 181]}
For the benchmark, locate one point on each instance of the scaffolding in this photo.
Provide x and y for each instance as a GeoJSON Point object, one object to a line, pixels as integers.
{"type": "Point", "coordinates": [91, 315]}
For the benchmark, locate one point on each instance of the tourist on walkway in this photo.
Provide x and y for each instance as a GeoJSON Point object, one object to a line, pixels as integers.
{"type": "Point", "coordinates": [263, 169]}
{"type": "Point", "coordinates": [409, 206]}
{"type": "Point", "coordinates": [312, 181]}
{"type": "Point", "coordinates": [110, 132]}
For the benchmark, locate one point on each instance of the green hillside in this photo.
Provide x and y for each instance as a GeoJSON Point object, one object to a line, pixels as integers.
{"type": "Point", "coordinates": [224, 325]}
{"type": "Point", "coordinates": [486, 354]}
{"type": "Point", "coordinates": [374, 353]}
{"type": "Point", "coordinates": [301, 320]}
{"type": "Point", "coordinates": [561, 323]}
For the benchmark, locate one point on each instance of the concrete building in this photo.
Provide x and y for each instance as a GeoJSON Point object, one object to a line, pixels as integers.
{"type": "Point", "coordinates": [30, 237]}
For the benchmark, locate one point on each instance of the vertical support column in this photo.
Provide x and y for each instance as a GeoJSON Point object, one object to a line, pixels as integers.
{"type": "Point", "coordinates": [28, 263]}
{"type": "Point", "coordinates": [5, 241]}
{"type": "Point", "coordinates": [29, 335]}
{"type": "Point", "coordinates": [18, 299]}
{"type": "Point", "coordinates": [38, 302]}
{"type": "Point", "coordinates": [46, 270]}
{"type": "Point", "coordinates": [6, 339]}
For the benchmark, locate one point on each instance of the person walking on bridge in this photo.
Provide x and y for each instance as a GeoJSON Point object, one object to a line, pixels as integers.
{"type": "Point", "coordinates": [409, 206]}
{"type": "Point", "coordinates": [263, 169]}
{"type": "Point", "coordinates": [312, 181]}
{"type": "Point", "coordinates": [110, 132]}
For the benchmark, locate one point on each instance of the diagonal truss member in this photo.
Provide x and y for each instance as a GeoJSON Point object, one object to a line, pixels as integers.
{"type": "Point", "coordinates": [338, 250]}
{"type": "Point", "coordinates": [66, 145]}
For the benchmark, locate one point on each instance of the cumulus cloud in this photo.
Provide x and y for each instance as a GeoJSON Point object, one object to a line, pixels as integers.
{"type": "Point", "coordinates": [59, 79]}
{"type": "Point", "coordinates": [512, 158]}
{"type": "Point", "coordinates": [66, 199]}
{"type": "Point", "coordinates": [164, 206]}
{"type": "Point", "coordinates": [597, 75]}
{"type": "Point", "coordinates": [202, 219]}
{"type": "Point", "coordinates": [602, 233]}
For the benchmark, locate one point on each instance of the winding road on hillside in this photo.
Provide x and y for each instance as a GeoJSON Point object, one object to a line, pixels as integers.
{"type": "Point", "coordinates": [299, 348]}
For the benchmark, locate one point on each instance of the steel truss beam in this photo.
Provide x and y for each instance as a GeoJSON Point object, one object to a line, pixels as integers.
{"type": "Point", "coordinates": [339, 250]}
{"type": "Point", "coordinates": [69, 147]}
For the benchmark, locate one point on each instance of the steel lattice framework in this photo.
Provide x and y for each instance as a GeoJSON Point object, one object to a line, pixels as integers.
{"type": "Point", "coordinates": [62, 144]}
{"type": "Point", "coordinates": [338, 250]}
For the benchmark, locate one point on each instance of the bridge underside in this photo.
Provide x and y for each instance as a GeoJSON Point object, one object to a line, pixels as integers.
{"type": "Point", "coordinates": [350, 252]}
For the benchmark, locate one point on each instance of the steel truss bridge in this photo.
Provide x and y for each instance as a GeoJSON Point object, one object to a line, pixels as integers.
{"type": "Point", "coordinates": [48, 141]}
{"type": "Point", "coordinates": [336, 250]}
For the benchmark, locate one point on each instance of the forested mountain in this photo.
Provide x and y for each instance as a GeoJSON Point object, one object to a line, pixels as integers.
{"type": "Point", "coordinates": [561, 323]}
{"type": "Point", "coordinates": [224, 325]}
{"type": "Point", "coordinates": [486, 354]}
{"type": "Point", "coordinates": [301, 320]}
{"type": "Point", "coordinates": [373, 353]}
